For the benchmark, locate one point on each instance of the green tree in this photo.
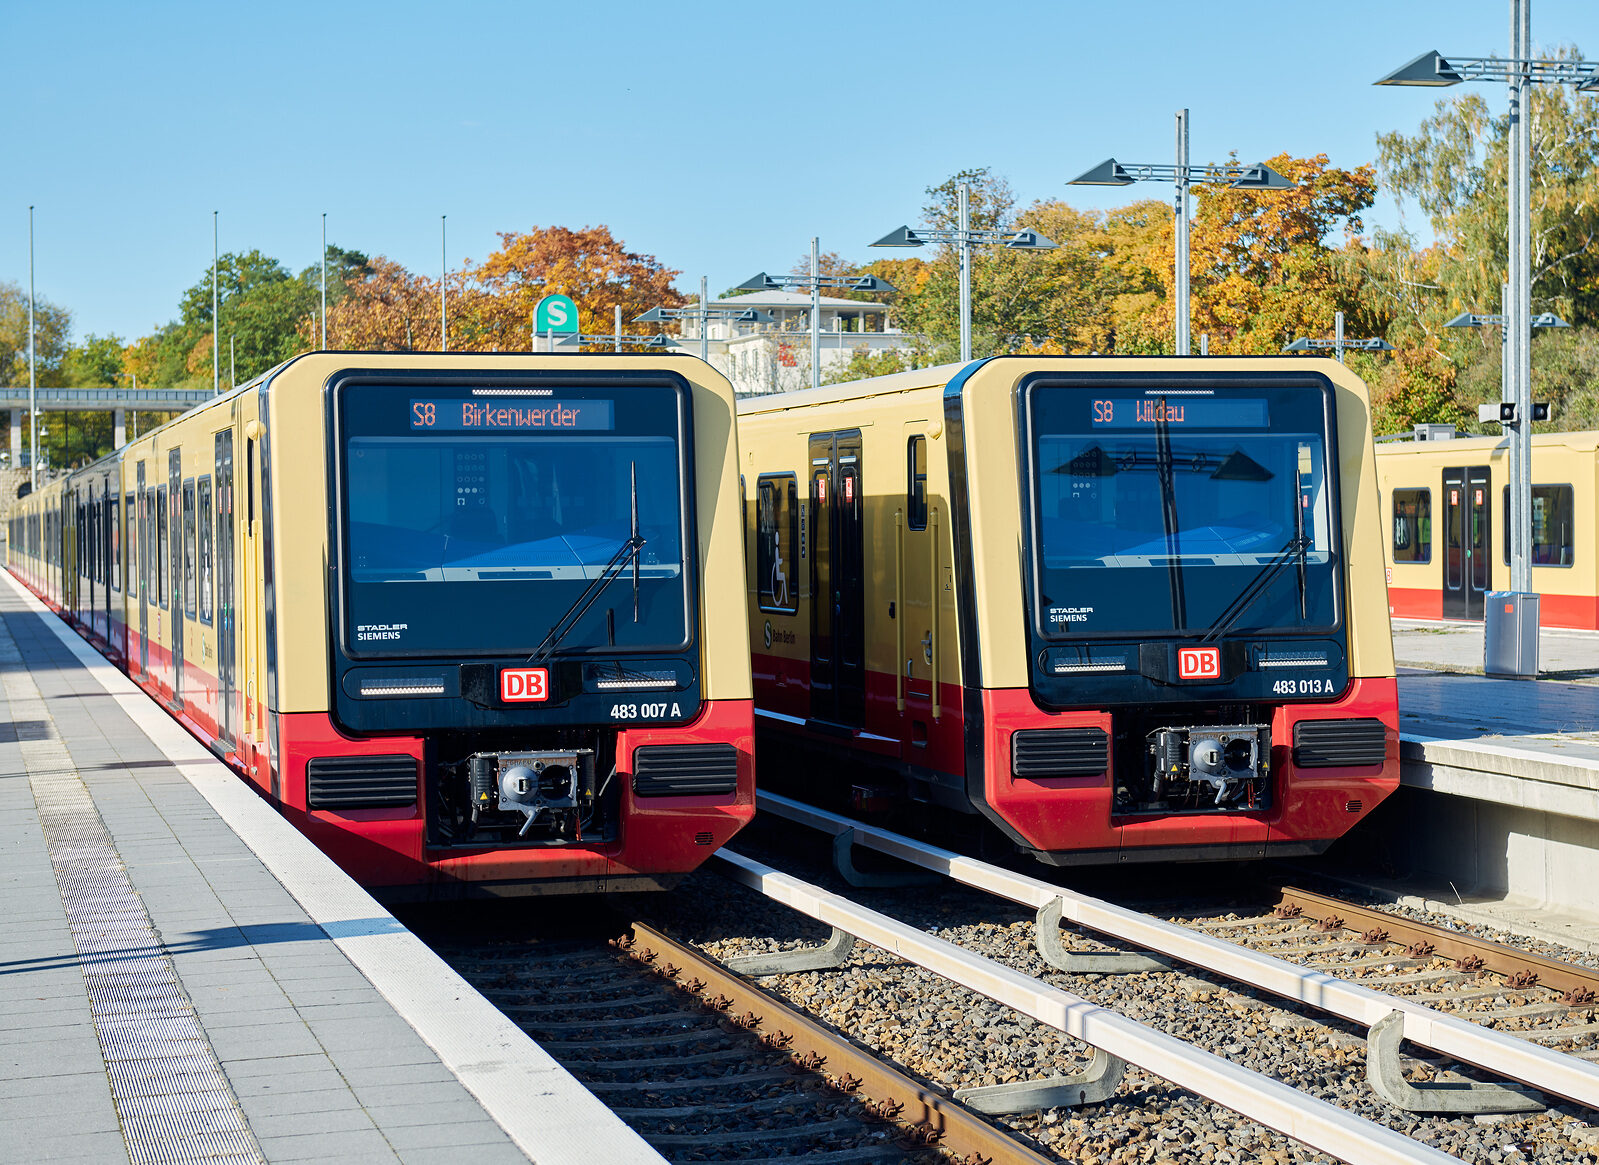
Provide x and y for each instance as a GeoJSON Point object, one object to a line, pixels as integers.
{"type": "Point", "coordinates": [96, 362]}
{"type": "Point", "coordinates": [52, 328]}
{"type": "Point", "coordinates": [1455, 167]}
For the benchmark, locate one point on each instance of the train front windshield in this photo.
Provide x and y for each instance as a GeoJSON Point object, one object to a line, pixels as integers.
{"type": "Point", "coordinates": [1161, 511]}
{"type": "Point", "coordinates": [474, 523]}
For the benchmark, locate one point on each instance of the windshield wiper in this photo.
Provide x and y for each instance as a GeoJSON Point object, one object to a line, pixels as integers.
{"type": "Point", "coordinates": [629, 549]}
{"type": "Point", "coordinates": [1168, 517]}
{"type": "Point", "coordinates": [1294, 551]}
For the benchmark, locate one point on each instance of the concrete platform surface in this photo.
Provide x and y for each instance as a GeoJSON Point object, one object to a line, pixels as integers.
{"type": "Point", "coordinates": [183, 977]}
{"type": "Point", "coordinates": [1447, 645]}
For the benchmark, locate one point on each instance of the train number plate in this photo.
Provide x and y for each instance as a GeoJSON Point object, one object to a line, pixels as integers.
{"type": "Point", "coordinates": [523, 684]}
{"type": "Point", "coordinates": [1199, 663]}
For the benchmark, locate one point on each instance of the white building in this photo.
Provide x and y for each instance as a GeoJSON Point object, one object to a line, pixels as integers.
{"type": "Point", "coordinates": [776, 357]}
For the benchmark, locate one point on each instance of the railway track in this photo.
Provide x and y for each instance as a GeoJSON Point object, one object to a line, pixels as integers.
{"type": "Point", "coordinates": [1317, 1038]}
{"type": "Point", "coordinates": [707, 1067]}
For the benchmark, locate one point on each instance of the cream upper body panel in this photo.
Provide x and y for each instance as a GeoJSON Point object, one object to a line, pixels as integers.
{"type": "Point", "coordinates": [299, 488]}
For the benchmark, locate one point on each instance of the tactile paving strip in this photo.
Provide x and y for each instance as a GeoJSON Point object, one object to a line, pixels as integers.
{"type": "Point", "coordinates": [172, 1098]}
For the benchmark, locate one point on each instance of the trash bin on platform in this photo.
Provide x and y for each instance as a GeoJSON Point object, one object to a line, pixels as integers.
{"type": "Point", "coordinates": [1510, 634]}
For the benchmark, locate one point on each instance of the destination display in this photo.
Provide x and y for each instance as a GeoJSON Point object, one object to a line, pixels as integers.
{"type": "Point", "coordinates": [1179, 412]}
{"type": "Point", "coordinates": [534, 415]}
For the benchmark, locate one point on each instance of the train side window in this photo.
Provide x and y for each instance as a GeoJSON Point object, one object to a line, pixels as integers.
{"type": "Point", "coordinates": [1412, 525]}
{"type": "Point", "coordinates": [161, 543]}
{"type": "Point", "coordinates": [916, 483]}
{"type": "Point", "coordinates": [188, 548]}
{"type": "Point", "coordinates": [776, 534]}
{"type": "Point", "coordinates": [1553, 522]}
{"type": "Point", "coordinates": [204, 534]}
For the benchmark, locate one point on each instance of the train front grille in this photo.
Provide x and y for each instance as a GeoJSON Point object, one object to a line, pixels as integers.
{"type": "Point", "coordinates": [360, 782]}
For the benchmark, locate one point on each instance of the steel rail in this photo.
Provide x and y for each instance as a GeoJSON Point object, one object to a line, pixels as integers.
{"type": "Point", "coordinates": [1304, 1118]}
{"type": "Point", "coordinates": [922, 1112]}
{"type": "Point", "coordinates": [1496, 957]}
{"type": "Point", "coordinates": [1507, 1055]}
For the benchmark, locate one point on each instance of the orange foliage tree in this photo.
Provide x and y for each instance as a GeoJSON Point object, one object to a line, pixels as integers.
{"type": "Point", "coordinates": [590, 265]}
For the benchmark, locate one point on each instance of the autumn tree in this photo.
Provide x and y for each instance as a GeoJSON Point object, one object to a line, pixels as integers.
{"type": "Point", "coordinates": [381, 308]}
{"type": "Point", "coordinates": [591, 265]}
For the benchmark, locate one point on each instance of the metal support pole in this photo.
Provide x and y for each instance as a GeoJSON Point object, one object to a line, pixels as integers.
{"type": "Point", "coordinates": [705, 318]}
{"type": "Point", "coordinates": [233, 364]}
{"type": "Point", "coordinates": [816, 316]}
{"type": "Point", "coordinates": [1338, 335]}
{"type": "Point", "coordinates": [616, 330]}
{"type": "Point", "coordinates": [1181, 290]}
{"type": "Point", "coordinates": [1521, 317]}
{"type": "Point", "coordinates": [216, 318]}
{"type": "Point", "coordinates": [444, 271]}
{"type": "Point", "coordinates": [965, 197]}
{"type": "Point", "coordinates": [324, 280]}
{"type": "Point", "coordinates": [33, 378]}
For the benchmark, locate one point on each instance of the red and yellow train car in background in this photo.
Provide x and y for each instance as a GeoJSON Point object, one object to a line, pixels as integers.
{"type": "Point", "coordinates": [1125, 609]}
{"type": "Point", "coordinates": [451, 613]}
{"type": "Point", "coordinates": [1448, 539]}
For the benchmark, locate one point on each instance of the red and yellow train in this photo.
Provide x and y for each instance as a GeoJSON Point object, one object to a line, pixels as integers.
{"type": "Point", "coordinates": [1124, 609]}
{"type": "Point", "coordinates": [451, 613]}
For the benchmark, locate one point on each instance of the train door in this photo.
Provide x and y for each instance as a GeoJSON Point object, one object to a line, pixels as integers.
{"type": "Point", "coordinates": [142, 550]}
{"type": "Point", "coordinates": [917, 560]}
{"type": "Point", "coordinates": [224, 576]}
{"type": "Point", "coordinates": [838, 583]}
{"type": "Point", "coordinates": [1467, 565]}
{"type": "Point", "coordinates": [175, 568]}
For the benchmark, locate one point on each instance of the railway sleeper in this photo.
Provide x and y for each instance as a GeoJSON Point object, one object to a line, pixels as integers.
{"type": "Point", "coordinates": [1055, 953]}
{"type": "Point", "coordinates": [1093, 1085]}
{"type": "Point", "coordinates": [831, 954]}
{"type": "Point", "coordinates": [1386, 1076]}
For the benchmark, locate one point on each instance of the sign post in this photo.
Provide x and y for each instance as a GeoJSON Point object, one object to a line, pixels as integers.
{"type": "Point", "coordinates": [554, 315]}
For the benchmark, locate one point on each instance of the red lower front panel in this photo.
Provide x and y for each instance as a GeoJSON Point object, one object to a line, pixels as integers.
{"type": "Point", "coordinates": [658, 835]}
{"type": "Point", "coordinates": [1073, 814]}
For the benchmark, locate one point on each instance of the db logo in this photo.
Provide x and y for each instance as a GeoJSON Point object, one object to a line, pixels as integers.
{"type": "Point", "coordinates": [524, 683]}
{"type": "Point", "coordinates": [1199, 663]}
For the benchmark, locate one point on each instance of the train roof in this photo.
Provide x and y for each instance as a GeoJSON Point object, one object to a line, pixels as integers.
{"type": "Point", "coordinates": [769, 402]}
{"type": "Point", "coordinates": [1585, 440]}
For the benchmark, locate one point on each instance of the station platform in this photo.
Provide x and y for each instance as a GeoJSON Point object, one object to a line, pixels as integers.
{"type": "Point", "coordinates": [1497, 817]}
{"type": "Point", "coordinates": [183, 977]}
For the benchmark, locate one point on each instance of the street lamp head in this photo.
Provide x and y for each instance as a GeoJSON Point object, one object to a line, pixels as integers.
{"type": "Point", "coordinates": [1374, 344]}
{"type": "Point", "coordinates": [1429, 69]}
{"type": "Point", "coordinates": [1464, 320]}
{"type": "Point", "coordinates": [761, 282]}
{"type": "Point", "coordinates": [1300, 345]}
{"type": "Point", "coordinates": [871, 283]}
{"type": "Point", "coordinates": [1591, 85]}
{"type": "Point", "coordinates": [1261, 177]}
{"type": "Point", "coordinates": [1110, 172]}
{"type": "Point", "coordinates": [657, 342]}
{"type": "Point", "coordinates": [903, 237]}
{"type": "Point", "coordinates": [1030, 241]}
{"type": "Point", "coordinates": [751, 316]}
{"type": "Point", "coordinates": [1548, 319]}
{"type": "Point", "coordinates": [655, 315]}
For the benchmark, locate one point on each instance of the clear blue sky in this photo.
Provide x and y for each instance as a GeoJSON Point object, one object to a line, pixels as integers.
{"type": "Point", "coordinates": [718, 137]}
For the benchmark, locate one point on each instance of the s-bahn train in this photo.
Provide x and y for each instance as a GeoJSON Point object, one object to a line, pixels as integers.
{"type": "Point", "coordinates": [452, 614]}
{"type": "Point", "coordinates": [1124, 609]}
{"type": "Point", "coordinates": [1448, 537]}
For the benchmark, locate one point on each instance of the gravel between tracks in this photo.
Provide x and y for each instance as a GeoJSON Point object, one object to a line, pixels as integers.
{"type": "Point", "coordinates": [955, 1038]}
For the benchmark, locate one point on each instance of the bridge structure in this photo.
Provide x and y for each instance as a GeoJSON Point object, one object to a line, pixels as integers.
{"type": "Point", "coordinates": [116, 401]}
